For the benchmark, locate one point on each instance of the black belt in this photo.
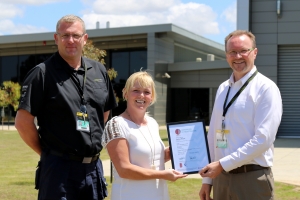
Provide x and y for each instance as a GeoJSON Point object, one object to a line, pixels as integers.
{"type": "Point", "coordinates": [75, 157]}
{"type": "Point", "coordinates": [246, 168]}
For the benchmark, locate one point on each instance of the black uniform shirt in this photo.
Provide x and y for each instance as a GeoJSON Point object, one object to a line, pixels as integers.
{"type": "Point", "coordinates": [50, 93]}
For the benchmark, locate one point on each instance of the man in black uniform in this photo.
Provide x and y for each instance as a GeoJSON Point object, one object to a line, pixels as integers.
{"type": "Point", "coordinates": [71, 97]}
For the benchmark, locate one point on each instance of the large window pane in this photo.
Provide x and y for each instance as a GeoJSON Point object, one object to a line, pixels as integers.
{"type": "Point", "coordinates": [9, 66]}
{"type": "Point", "coordinates": [189, 104]}
{"type": "Point", "coordinates": [15, 68]}
{"type": "Point", "coordinates": [120, 62]}
{"type": "Point", "coordinates": [138, 60]}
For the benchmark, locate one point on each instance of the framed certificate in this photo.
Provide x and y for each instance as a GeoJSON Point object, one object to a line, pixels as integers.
{"type": "Point", "coordinates": [188, 146]}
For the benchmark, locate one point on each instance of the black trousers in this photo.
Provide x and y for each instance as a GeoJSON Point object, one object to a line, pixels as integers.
{"type": "Point", "coordinates": [60, 179]}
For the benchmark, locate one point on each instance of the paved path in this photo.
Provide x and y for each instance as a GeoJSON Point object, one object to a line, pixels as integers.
{"type": "Point", "coordinates": [286, 167]}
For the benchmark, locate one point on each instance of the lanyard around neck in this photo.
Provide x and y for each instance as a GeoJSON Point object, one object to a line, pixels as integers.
{"type": "Point", "coordinates": [225, 108]}
{"type": "Point", "coordinates": [78, 86]}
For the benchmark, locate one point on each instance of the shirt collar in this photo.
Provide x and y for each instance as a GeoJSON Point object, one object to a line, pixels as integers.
{"type": "Point", "coordinates": [63, 63]}
{"type": "Point", "coordinates": [244, 79]}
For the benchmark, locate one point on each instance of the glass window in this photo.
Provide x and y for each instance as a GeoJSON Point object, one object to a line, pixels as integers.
{"type": "Point", "coordinates": [15, 68]}
{"type": "Point", "coordinates": [189, 104]}
{"type": "Point", "coordinates": [138, 60]}
{"type": "Point", "coordinates": [128, 62]}
{"type": "Point", "coordinates": [9, 66]}
{"type": "Point", "coordinates": [27, 62]}
{"type": "Point", "coordinates": [120, 62]}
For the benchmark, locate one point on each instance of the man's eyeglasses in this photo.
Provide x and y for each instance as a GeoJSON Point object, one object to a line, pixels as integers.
{"type": "Point", "coordinates": [244, 52]}
{"type": "Point", "coordinates": [68, 36]}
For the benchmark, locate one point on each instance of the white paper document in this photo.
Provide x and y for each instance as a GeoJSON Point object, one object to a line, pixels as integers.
{"type": "Point", "coordinates": [189, 150]}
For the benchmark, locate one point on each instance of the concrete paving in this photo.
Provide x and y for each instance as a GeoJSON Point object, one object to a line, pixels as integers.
{"type": "Point", "coordinates": [7, 127]}
{"type": "Point", "coordinates": [286, 167]}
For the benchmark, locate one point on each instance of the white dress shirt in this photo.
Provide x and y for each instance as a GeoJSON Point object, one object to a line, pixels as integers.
{"type": "Point", "coordinates": [253, 120]}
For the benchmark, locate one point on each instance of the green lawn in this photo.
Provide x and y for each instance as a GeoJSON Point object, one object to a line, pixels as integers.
{"type": "Point", "coordinates": [18, 164]}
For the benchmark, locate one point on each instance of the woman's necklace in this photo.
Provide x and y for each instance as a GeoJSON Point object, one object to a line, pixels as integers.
{"type": "Point", "coordinates": [152, 152]}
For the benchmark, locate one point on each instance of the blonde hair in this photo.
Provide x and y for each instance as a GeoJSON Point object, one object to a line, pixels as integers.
{"type": "Point", "coordinates": [70, 19]}
{"type": "Point", "coordinates": [144, 79]}
{"type": "Point", "coordinates": [239, 33]}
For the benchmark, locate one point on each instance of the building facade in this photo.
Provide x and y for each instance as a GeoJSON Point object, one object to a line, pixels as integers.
{"type": "Point", "coordinates": [276, 25]}
{"type": "Point", "coordinates": [187, 68]}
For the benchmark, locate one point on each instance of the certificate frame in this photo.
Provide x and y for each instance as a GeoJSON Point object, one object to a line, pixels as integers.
{"type": "Point", "coordinates": [188, 146]}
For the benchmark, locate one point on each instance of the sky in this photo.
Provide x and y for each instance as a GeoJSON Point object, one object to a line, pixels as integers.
{"type": "Point", "coordinates": [212, 19]}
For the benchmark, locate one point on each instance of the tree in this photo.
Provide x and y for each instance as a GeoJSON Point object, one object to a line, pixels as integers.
{"type": "Point", "coordinates": [94, 53]}
{"type": "Point", "coordinates": [10, 94]}
{"type": "Point", "coordinates": [3, 98]}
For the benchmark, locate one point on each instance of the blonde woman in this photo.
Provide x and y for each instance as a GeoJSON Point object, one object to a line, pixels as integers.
{"type": "Point", "coordinates": [135, 147]}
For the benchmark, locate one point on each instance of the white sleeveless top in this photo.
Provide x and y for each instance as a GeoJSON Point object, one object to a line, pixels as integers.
{"type": "Point", "coordinates": [140, 155]}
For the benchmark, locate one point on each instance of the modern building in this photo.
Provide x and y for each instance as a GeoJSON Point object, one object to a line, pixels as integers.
{"type": "Point", "coordinates": [187, 68]}
{"type": "Point", "coordinates": [276, 25]}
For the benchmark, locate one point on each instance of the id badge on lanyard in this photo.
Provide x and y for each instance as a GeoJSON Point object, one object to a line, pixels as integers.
{"type": "Point", "coordinates": [82, 120]}
{"type": "Point", "coordinates": [221, 136]}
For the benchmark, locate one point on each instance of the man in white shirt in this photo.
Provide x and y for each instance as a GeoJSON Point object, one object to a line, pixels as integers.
{"type": "Point", "coordinates": [245, 119]}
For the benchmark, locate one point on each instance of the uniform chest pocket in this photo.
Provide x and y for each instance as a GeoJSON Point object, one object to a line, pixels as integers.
{"type": "Point", "coordinates": [243, 110]}
{"type": "Point", "coordinates": [99, 93]}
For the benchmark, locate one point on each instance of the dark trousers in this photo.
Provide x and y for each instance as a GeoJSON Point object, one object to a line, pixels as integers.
{"type": "Point", "coordinates": [60, 179]}
{"type": "Point", "coordinates": [258, 185]}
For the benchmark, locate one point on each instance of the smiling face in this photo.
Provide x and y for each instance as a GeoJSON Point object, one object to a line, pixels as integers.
{"type": "Point", "coordinates": [139, 91]}
{"type": "Point", "coordinates": [240, 64]}
{"type": "Point", "coordinates": [139, 97]}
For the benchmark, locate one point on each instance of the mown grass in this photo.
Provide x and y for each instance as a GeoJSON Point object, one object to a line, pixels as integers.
{"type": "Point", "coordinates": [17, 172]}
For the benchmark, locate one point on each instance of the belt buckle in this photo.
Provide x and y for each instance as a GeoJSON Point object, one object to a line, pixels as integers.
{"type": "Point", "coordinates": [87, 160]}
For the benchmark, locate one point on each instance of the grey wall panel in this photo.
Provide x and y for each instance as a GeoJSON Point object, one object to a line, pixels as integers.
{"type": "Point", "coordinates": [243, 7]}
{"type": "Point", "coordinates": [264, 17]}
{"type": "Point", "coordinates": [161, 87]}
{"type": "Point", "coordinates": [273, 78]}
{"type": "Point", "coordinates": [266, 49]}
{"type": "Point", "coordinates": [185, 84]}
{"type": "Point", "coordinates": [290, 5]}
{"type": "Point", "coordinates": [266, 60]}
{"type": "Point", "coordinates": [213, 77]}
{"type": "Point", "coordinates": [185, 55]}
{"type": "Point", "coordinates": [184, 76]}
{"type": "Point", "coordinates": [150, 51]}
{"type": "Point", "coordinates": [264, 27]}
{"type": "Point", "coordinates": [290, 16]}
{"type": "Point", "coordinates": [226, 72]}
{"type": "Point", "coordinates": [264, 6]}
{"type": "Point", "coordinates": [164, 51]}
{"type": "Point", "coordinates": [198, 66]}
{"type": "Point", "coordinates": [212, 83]}
{"type": "Point", "coordinates": [199, 79]}
{"type": "Point", "coordinates": [289, 27]}
{"type": "Point", "coordinates": [288, 38]}
{"type": "Point", "coordinates": [267, 70]}
{"type": "Point", "coordinates": [267, 38]}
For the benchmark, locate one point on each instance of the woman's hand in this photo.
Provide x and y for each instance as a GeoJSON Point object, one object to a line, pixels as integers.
{"type": "Point", "coordinates": [173, 175]}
